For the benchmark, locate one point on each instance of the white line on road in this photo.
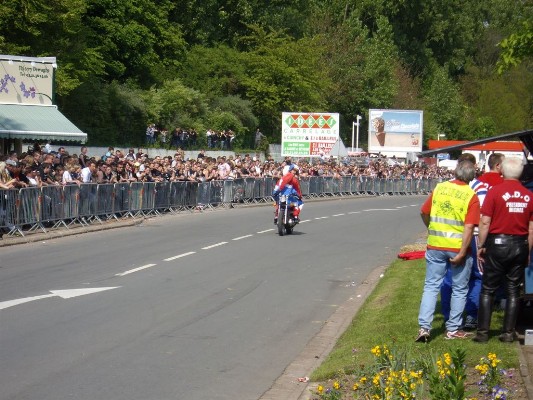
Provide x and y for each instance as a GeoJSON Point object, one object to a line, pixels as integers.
{"type": "Point", "coordinates": [354, 212]}
{"type": "Point", "coordinates": [305, 220]}
{"type": "Point", "coordinates": [321, 217]}
{"type": "Point", "coordinates": [267, 230]}
{"type": "Point", "coordinates": [338, 215]}
{"type": "Point", "coordinates": [179, 256]}
{"type": "Point", "coordinates": [131, 271]}
{"type": "Point", "coordinates": [242, 237]}
{"type": "Point", "coordinates": [64, 294]}
{"type": "Point", "coordinates": [11, 303]}
{"type": "Point", "coordinates": [382, 209]}
{"type": "Point", "coordinates": [214, 245]}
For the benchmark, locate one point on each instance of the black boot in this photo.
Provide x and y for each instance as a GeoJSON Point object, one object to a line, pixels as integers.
{"type": "Point", "coordinates": [509, 320]}
{"type": "Point", "coordinates": [483, 318]}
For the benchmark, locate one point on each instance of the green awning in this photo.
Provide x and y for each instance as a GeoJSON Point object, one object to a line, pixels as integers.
{"type": "Point", "coordinates": [37, 122]}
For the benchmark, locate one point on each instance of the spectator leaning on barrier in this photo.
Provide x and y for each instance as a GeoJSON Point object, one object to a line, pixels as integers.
{"type": "Point", "coordinates": [506, 238]}
{"type": "Point", "coordinates": [14, 169]}
{"type": "Point", "coordinates": [450, 212]}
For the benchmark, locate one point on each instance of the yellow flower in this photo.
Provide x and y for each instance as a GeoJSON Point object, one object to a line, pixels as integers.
{"type": "Point", "coordinates": [447, 358]}
{"type": "Point", "coordinates": [336, 385]}
{"type": "Point", "coordinates": [363, 379]}
{"type": "Point", "coordinates": [355, 386]}
{"type": "Point", "coordinates": [320, 389]}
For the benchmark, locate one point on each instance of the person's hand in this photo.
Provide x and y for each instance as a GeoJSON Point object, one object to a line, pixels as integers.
{"type": "Point", "coordinates": [481, 254]}
{"type": "Point", "coordinates": [458, 259]}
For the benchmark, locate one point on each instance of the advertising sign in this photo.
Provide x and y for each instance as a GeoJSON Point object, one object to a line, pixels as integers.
{"type": "Point", "coordinates": [308, 134]}
{"type": "Point", "coordinates": [395, 130]}
{"type": "Point", "coordinates": [26, 80]}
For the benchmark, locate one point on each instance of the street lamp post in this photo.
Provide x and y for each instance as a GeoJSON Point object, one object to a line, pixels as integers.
{"type": "Point", "coordinates": [353, 125]}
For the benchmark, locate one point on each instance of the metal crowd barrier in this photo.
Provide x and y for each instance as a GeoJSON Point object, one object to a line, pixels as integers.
{"type": "Point", "coordinates": [30, 209]}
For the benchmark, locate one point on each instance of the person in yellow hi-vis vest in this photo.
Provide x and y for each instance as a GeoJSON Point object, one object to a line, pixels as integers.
{"type": "Point", "coordinates": [450, 213]}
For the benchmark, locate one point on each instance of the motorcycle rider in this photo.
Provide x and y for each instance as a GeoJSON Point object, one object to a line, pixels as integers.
{"type": "Point", "coordinates": [289, 185]}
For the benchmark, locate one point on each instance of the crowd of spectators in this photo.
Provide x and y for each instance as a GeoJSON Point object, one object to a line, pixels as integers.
{"type": "Point", "coordinates": [188, 138]}
{"type": "Point", "coordinates": [41, 167]}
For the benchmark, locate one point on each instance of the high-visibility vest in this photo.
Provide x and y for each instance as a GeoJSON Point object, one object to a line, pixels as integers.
{"type": "Point", "coordinates": [448, 212]}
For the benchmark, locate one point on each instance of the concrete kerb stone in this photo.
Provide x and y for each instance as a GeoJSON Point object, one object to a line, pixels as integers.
{"type": "Point", "coordinates": [37, 236]}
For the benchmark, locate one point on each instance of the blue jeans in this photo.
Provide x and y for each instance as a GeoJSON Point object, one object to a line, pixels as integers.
{"type": "Point", "coordinates": [474, 288]}
{"type": "Point", "coordinates": [437, 263]}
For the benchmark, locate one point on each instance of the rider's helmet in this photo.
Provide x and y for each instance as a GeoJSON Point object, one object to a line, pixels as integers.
{"type": "Point", "coordinates": [289, 168]}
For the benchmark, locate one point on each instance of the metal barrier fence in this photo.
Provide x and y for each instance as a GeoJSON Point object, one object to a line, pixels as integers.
{"type": "Point", "coordinates": [29, 209]}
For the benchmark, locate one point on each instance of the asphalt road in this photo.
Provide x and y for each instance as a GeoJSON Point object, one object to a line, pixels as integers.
{"type": "Point", "coordinates": [194, 306]}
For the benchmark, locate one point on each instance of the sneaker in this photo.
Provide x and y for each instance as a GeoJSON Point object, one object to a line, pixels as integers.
{"type": "Point", "coordinates": [423, 335]}
{"type": "Point", "coordinates": [457, 335]}
{"type": "Point", "coordinates": [470, 323]}
{"type": "Point", "coordinates": [275, 221]}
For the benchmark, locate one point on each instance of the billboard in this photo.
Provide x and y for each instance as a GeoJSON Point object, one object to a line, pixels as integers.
{"type": "Point", "coordinates": [26, 80]}
{"type": "Point", "coordinates": [308, 134]}
{"type": "Point", "coordinates": [395, 130]}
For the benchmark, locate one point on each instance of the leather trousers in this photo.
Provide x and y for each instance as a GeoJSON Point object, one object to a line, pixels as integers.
{"type": "Point", "coordinates": [505, 260]}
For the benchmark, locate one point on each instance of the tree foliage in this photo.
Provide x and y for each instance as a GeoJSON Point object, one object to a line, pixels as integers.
{"type": "Point", "coordinates": [199, 63]}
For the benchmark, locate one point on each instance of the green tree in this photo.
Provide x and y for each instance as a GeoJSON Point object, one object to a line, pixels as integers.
{"type": "Point", "coordinates": [214, 71]}
{"type": "Point", "coordinates": [134, 39]}
{"type": "Point", "coordinates": [443, 105]}
{"type": "Point", "coordinates": [282, 74]}
{"type": "Point", "coordinates": [176, 105]}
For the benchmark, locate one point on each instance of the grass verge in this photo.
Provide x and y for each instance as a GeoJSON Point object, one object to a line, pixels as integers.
{"type": "Point", "coordinates": [390, 317]}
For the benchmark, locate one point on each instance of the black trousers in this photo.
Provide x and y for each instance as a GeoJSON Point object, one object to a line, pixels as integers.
{"type": "Point", "coordinates": [506, 258]}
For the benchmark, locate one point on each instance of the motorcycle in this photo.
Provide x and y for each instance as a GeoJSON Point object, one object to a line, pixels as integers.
{"type": "Point", "coordinates": [286, 221]}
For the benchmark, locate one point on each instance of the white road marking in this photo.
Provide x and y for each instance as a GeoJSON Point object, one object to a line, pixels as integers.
{"type": "Point", "coordinates": [321, 217]}
{"type": "Point", "coordinates": [131, 271]}
{"type": "Point", "coordinates": [11, 303]}
{"type": "Point", "coordinates": [267, 230]}
{"type": "Point", "coordinates": [382, 209]}
{"type": "Point", "coordinates": [179, 256]}
{"type": "Point", "coordinates": [305, 220]}
{"type": "Point", "coordinates": [242, 237]}
{"type": "Point", "coordinates": [214, 245]}
{"type": "Point", "coordinates": [354, 212]}
{"type": "Point", "coordinates": [338, 215]}
{"type": "Point", "coordinates": [64, 294]}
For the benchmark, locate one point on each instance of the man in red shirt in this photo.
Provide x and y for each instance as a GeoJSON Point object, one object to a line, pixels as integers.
{"type": "Point", "coordinates": [494, 176]}
{"type": "Point", "coordinates": [506, 238]}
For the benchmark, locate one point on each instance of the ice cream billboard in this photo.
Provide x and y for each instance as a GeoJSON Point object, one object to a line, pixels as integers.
{"type": "Point", "coordinates": [395, 130]}
{"type": "Point", "coordinates": [26, 80]}
{"type": "Point", "coordinates": [308, 134]}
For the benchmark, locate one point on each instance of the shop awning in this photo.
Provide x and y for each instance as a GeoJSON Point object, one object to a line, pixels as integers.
{"type": "Point", "coordinates": [37, 122]}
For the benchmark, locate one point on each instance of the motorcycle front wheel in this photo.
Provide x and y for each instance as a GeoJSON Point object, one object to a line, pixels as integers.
{"type": "Point", "coordinates": [281, 222]}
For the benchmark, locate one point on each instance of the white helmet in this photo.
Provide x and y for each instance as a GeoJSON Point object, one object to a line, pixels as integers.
{"type": "Point", "coordinates": [289, 168]}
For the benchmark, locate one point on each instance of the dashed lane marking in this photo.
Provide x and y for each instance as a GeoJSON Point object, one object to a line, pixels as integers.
{"type": "Point", "coordinates": [214, 245]}
{"type": "Point", "coordinates": [131, 271]}
{"type": "Point", "coordinates": [180, 256]}
{"type": "Point", "coordinates": [338, 215]}
{"type": "Point", "coordinates": [242, 237]}
{"type": "Point", "coordinates": [267, 230]}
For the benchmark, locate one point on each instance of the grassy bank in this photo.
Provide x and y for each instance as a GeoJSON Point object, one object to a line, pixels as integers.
{"type": "Point", "coordinates": [389, 318]}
